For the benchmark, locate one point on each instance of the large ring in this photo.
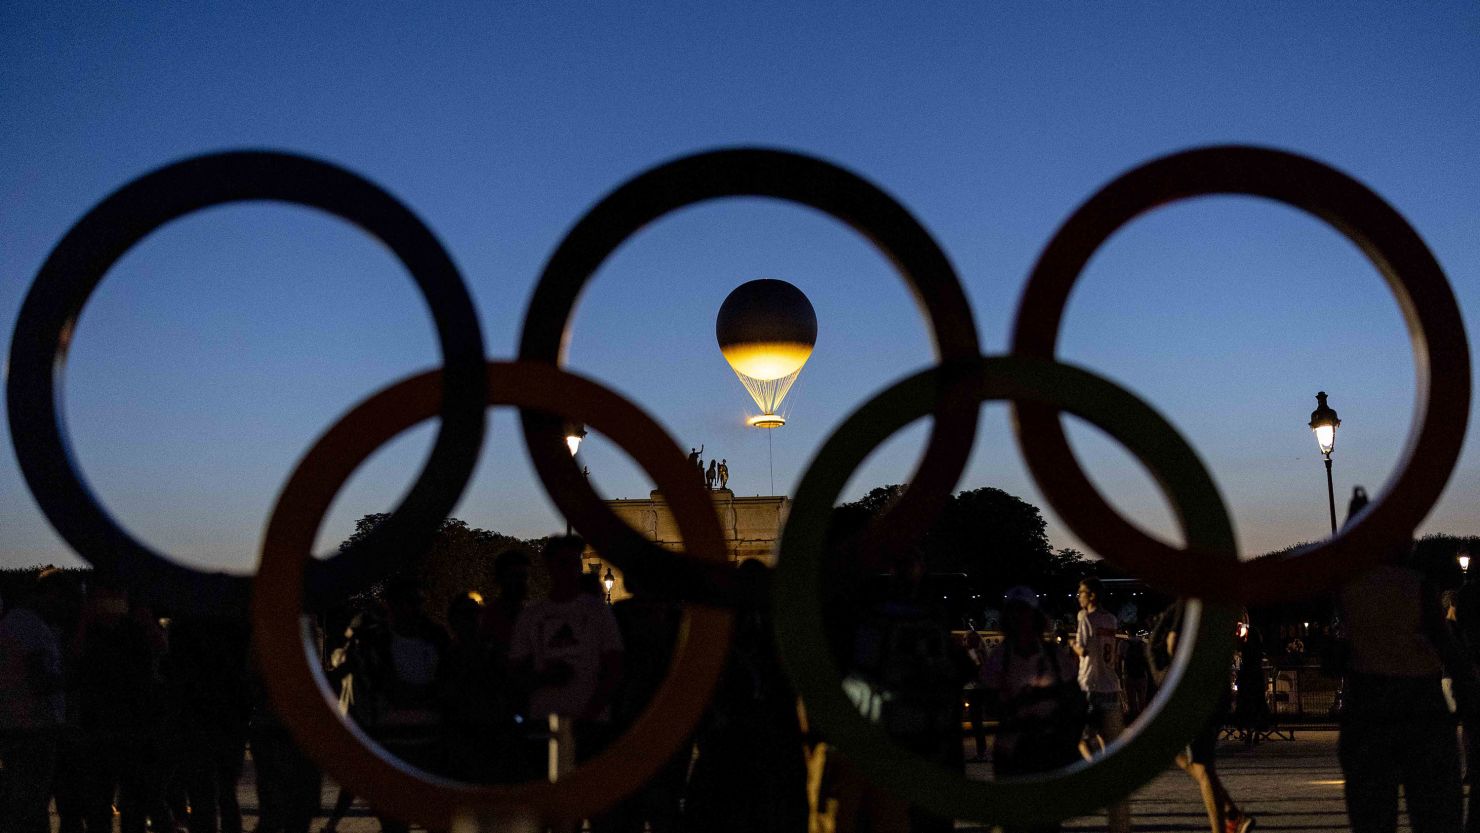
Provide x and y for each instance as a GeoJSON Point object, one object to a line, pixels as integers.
{"type": "Point", "coordinates": [302, 697]}
{"type": "Point", "coordinates": [1440, 354]}
{"type": "Point", "coordinates": [44, 330]}
{"type": "Point", "coordinates": [1174, 716]}
{"type": "Point", "coordinates": [764, 173]}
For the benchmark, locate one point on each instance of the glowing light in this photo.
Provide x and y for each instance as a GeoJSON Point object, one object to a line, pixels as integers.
{"type": "Point", "coordinates": [1326, 437]}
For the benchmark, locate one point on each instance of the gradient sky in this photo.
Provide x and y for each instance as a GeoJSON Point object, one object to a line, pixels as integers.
{"type": "Point", "coordinates": [220, 347]}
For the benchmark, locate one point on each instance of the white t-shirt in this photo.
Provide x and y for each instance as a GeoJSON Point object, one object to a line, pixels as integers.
{"type": "Point", "coordinates": [24, 634]}
{"type": "Point", "coordinates": [1096, 636]}
{"type": "Point", "coordinates": [575, 632]}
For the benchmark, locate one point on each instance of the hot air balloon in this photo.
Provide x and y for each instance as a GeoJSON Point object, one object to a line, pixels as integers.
{"type": "Point", "coordinates": [766, 330]}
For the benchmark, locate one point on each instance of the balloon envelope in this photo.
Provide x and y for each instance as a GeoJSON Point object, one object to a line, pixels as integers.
{"type": "Point", "coordinates": [766, 329]}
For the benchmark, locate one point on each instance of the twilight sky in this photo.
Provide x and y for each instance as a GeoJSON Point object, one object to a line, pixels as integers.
{"type": "Point", "coordinates": [221, 346]}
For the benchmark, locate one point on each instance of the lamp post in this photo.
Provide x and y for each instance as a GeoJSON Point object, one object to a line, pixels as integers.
{"type": "Point", "coordinates": [1324, 422]}
{"type": "Point", "coordinates": [608, 581]}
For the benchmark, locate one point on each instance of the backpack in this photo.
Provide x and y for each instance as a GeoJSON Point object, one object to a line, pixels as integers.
{"type": "Point", "coordinates": [1158, 658]}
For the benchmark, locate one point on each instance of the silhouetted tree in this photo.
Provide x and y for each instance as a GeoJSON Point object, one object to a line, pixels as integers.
{"type": "Point", "coordinates": [996, 538]}
{"type": "Point", "coordinates": [459, 560]}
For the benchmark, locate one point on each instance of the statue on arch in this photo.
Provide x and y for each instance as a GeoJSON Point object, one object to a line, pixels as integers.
{"type": "Point", "coordinates": [710, 474]}
{"type": "Point", "coordinates": [724, 475]}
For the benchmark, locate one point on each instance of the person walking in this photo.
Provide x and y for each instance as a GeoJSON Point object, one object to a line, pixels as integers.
{"type": "Point", "coordinates": [1199, 759]}
{"type": "Point", "coordinates": [1095, 645]}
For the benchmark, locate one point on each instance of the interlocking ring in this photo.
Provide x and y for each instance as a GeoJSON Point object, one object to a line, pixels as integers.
{"type": "Point", "coordinates": [43, 333]}
{"type": "Point", "coordinates": [1039, 388]}
{"type": "Point", "coordinates": [781, 175]}
{"type": "Point", "coordinates": [1440, 354]}
{"type": "Point", "coordinates": [1178, 711]}
{"type": "Point", "coordinates": [302, 697]}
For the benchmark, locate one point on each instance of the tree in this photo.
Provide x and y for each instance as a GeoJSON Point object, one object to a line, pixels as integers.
{"type": "Point", "coordinates": [459, 560]}
{"type": "Point", "coordinates": [996, 538]}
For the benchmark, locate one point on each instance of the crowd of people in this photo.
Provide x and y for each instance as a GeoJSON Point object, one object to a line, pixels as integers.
{"type": "Point", "coordinates": [109, 709]}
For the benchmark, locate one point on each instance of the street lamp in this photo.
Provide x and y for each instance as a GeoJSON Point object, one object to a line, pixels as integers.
{"type": "Point", "coordinates": [608, 581]}
{"type": "Point", "coordinates": [1464, 563]}
{"type": "Point", "coordinates": [574, 433]}
{"type": "Point", "coordinates": [1324, 422]}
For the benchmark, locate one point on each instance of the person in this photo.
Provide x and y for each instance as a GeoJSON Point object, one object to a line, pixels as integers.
{"type": "Point", "coordinates": [649, 627]}
{"type": "Point", "coordinates": [208, 671]}
{"type": "Point", "coordinates": [972, 695]}
{"type": "Point", "coordinates": [1250, 706]}
{"type": "Point", "coordinates": [1396, 727]}
{"type": "Point", "coordinates": [32, 701]}
{"type": "Point", "coordinates": [907, 672]}
{"type": "Point", "coordinates": [1135, 676]}
{"type": "Point", "coordinates": [751, 771]}
{"type": "Point", "coordinates": [568, 651]}
{"type": "Point", "coordinates": [289, 786]}
{"type": "Point", "coordinates": [724, 474]}
{"type": "Point", "coordinates": [473, 732]}
{"type": "Point", "coordinates": [408, 688]}
{"type": "Point", "coordinates": [1096, 646]}
{"type": "Point", "coordinates": [122, 704]}
{"type": "Point", "coordinates": [513, 762]}
{"type": "Point", "coordinates": [1031, 685]}
{"type": "Point", "coordinates": [1199, 759]}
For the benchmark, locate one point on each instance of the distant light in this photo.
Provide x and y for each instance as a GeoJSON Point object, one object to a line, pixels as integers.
{"type": "Point", "coordinates": [574, 433]}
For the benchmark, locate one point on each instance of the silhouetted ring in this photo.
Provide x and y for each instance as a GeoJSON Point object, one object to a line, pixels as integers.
{"type": "Point", "coordinates": [44, 329]}
{"type": "Point", "coordinates": [1440, 351]}
{"type": "Point", "coordinates": [1198, 675]}
{"type": "Point", "coordinates": [749, 172]}
{"type": "Point", "coordinates": [302, 697]}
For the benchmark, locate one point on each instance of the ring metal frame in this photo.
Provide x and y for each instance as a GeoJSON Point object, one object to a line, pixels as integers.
{"type": "Point", "coordinates": [1440, 353]}
{"type": "Point", "coordinates": [1039, 388]}
{"type": "Point", "coordinates": [73, 270]}
{"type": "Point", "coordinates": [750, 172]}
{"type": "Point", "coordinates": [1175, 715]}
{"type": "Point", "coordinates": [302, 697]}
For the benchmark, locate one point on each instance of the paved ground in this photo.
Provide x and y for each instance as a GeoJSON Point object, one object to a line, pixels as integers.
{"type": "Point", "coordinates": [1288, 785]}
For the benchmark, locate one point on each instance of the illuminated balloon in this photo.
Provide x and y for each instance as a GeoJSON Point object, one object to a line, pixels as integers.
{"type": "Point", "coordinates": [766, 329]}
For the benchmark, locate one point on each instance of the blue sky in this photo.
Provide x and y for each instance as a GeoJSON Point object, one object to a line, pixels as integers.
{"type": "Point", "coordinates": [221, 346]}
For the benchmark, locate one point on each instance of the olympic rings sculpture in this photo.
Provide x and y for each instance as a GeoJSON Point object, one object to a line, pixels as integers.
{"type": "Point", "coordinates": [1040, 389]}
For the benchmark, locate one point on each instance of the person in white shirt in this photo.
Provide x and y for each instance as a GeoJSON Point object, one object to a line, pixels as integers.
{"type": "Point", "coordinates": [1095, 643]}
